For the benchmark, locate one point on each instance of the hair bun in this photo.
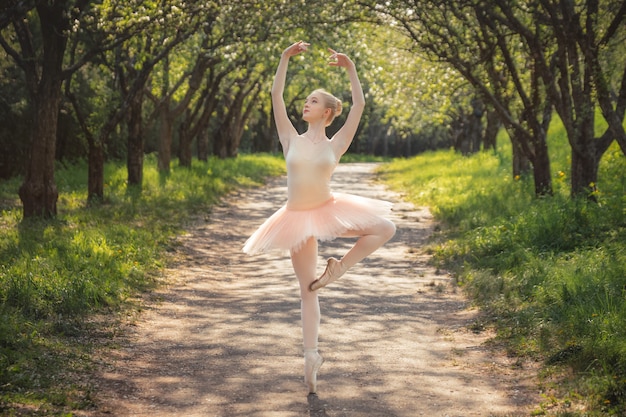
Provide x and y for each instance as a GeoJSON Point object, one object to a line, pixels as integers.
{"type": "Point", "coordinates": [338, 108]}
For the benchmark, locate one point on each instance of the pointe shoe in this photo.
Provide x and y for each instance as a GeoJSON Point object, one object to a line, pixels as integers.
{"type": "Point", "coordinates": [312, 363]}
{"type": "Point", "coordinates": [334, 270]}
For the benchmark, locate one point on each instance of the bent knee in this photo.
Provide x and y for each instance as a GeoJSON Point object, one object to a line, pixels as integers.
{"type": "Point", "coordinates": [389, 229]}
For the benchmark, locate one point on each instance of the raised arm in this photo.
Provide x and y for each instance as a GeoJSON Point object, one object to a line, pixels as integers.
{"type": "Point", "coordinates": [285, 128]}
{"type": "Point", "coordinates": [343, 138]}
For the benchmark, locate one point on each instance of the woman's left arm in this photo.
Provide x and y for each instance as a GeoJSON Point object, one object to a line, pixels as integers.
{"type": "Point", "coordinates": [343, 138]}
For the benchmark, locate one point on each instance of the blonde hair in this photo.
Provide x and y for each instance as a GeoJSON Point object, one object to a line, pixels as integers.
{"type": "Point", "coordinates": [330, 102]}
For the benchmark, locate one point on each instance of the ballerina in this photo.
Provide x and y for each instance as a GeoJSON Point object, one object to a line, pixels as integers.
{"type": "Point", "coordinates": [313, 213]}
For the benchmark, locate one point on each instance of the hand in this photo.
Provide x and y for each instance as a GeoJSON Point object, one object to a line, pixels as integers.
{"type": "Point", "coordinates": [339, 59]}
{"type": "Point", "coordinates": [296, 48]}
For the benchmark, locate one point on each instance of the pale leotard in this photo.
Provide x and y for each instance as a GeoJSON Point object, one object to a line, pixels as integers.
{"type": "Point", "coordinates": [312, 210]}
{"type": "Point", "coordinates": [310, 167]}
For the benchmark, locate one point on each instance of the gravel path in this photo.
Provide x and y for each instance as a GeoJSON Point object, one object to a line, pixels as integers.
{"type": "Point", "coordinates": [223, 338]}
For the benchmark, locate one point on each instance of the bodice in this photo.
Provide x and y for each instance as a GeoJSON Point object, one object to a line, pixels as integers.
{"type": "Point", "coordinates": [310, 167]}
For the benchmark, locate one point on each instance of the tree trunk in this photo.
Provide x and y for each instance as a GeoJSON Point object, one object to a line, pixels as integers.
{"type": "Point", "coordinates": [541, 169]}
{"type": "Point", "coordinates": [95, 154]}
{"type": "Point", "coordinates": [39, 192]}
{"type": "Point", "coordinates": [203, 145]}
{"type": "Point", "coordinates": [408, 150]}
{"type": "Point", "coordinates": [228, 136]}
{"type": "Point", "coordinates": [95, 180]}
{"type": "Point", "coordinates": [263, 140]}
{"type": "Point", "coordinates": [219, 141]}
{"type": "Point", "coordinates": [196, 124]}
{"type": "Point", "coordinates": [236, 132]}
{"type": "Point", "coordinates": [578, 121]}
{"type": "Point", "coordinates": [475, 125]}
{"type": "Point", "coordinates": [165, 139]}
{"type": "Point", "coordinates": [521, 163]}
{"type": "Point", "coordinates": [584, 173]}
{"type": "Point", "coordinates": [184, 141]}
{"type": "Point", "coordinates": [134, 158]}
{"type": "Point", "coordinates": [491, 130]}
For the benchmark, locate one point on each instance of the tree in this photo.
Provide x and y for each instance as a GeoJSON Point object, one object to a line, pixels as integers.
{"type": "Point", "coordinates": [106, 24]}
{"type": "Point", "coordinates": [196, 121]}
{"type": "Point", "coordinates": [530, 56]}
{"type": "Point", "coordinates": [14, 119]}
{"type": "Point", "coordinates": [608, 62]}
{"type": "Point", "coordinates": [487, 55]}
{"type": "Point", "coordinates": [167, 113]}
{"type": "Point", "coordinates": [142, 34]}
{"type": "Point", "coordinates": [221, 50]}
{"type": "Point", "coordinates": [580, 80]}
{"type": "Point", "coordinates": [564, 43]}
{"type": "Point", "coordinates": [43, 50]}
{"type": "Point", "coordinates": [41, 58]}
{"type": "Point", "coordinates": [409, 95]}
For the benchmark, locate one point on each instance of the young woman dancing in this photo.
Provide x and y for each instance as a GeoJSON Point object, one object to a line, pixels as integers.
{"type": "Point", "coordinates": [312, 211]}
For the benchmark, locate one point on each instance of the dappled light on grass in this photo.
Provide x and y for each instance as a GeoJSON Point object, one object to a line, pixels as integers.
{"type": "Point", "coordinates": [55, 274]}
{"type": "Point", "coordinates": [550, 270]}
{"type": "Point", "coordinates": [463, 191]}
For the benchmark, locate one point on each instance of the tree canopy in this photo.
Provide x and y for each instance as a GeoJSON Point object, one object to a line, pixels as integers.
{"type": "Point", "coordinates": [108, 79]}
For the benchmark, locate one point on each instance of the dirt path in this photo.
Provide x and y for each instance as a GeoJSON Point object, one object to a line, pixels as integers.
{"type": "Point", "coordinates": [224, 338]}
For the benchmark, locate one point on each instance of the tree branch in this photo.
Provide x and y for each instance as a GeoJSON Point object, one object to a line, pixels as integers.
{"type": "Point", "coordinates": [615, 24]}
{"type": "Point", "coordinates": [16, 11]}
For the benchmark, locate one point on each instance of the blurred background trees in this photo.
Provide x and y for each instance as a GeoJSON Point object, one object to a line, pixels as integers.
{"type": "Point", "coordinates": [95, 80]}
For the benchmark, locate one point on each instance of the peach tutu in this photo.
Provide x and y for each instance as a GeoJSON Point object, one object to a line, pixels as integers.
{"type": "Point", "coordinates": [289, 229]}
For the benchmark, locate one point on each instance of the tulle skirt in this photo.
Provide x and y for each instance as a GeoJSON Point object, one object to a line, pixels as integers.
{"type": "Point", "coordinates": [289, 229]}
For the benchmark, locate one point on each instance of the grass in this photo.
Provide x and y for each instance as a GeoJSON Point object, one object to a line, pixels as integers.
{"type": "Point", "coordinates": [57, 277]}
{"type": "Point", "coordinates": [551, 272]}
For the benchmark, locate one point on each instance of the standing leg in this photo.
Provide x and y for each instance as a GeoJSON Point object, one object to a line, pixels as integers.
{"type": "Point", "coordinates": [304, 263]}
{"type": "Point", "coordinates": [370, 239]}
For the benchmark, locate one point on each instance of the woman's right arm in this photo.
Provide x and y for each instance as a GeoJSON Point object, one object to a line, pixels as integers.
{"type": "Point", "coordinates": [283, 124]}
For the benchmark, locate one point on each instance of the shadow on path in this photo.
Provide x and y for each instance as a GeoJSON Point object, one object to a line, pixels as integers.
{"type": "Point", "coordinates": [224, 338]}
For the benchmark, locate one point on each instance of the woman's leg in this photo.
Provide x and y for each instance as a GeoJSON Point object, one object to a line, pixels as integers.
{"type": "Point", "coordinates": [369, 239]}
{"type": "Point", "coordinates": [304, 263]}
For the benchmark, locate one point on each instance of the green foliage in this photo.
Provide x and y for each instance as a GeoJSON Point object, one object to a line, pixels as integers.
{"type": "Point", "coordinates": [353, 157]}
{"type": "Point", "coordinates": [551, 271]}
{"type": "Point", "coordinates": [55, 274]}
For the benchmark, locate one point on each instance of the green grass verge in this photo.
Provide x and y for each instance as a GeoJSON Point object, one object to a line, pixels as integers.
{"type": "Point", "coordinates": [551, 271]}
{"type": "Point", "coordinates": [54, 275]}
